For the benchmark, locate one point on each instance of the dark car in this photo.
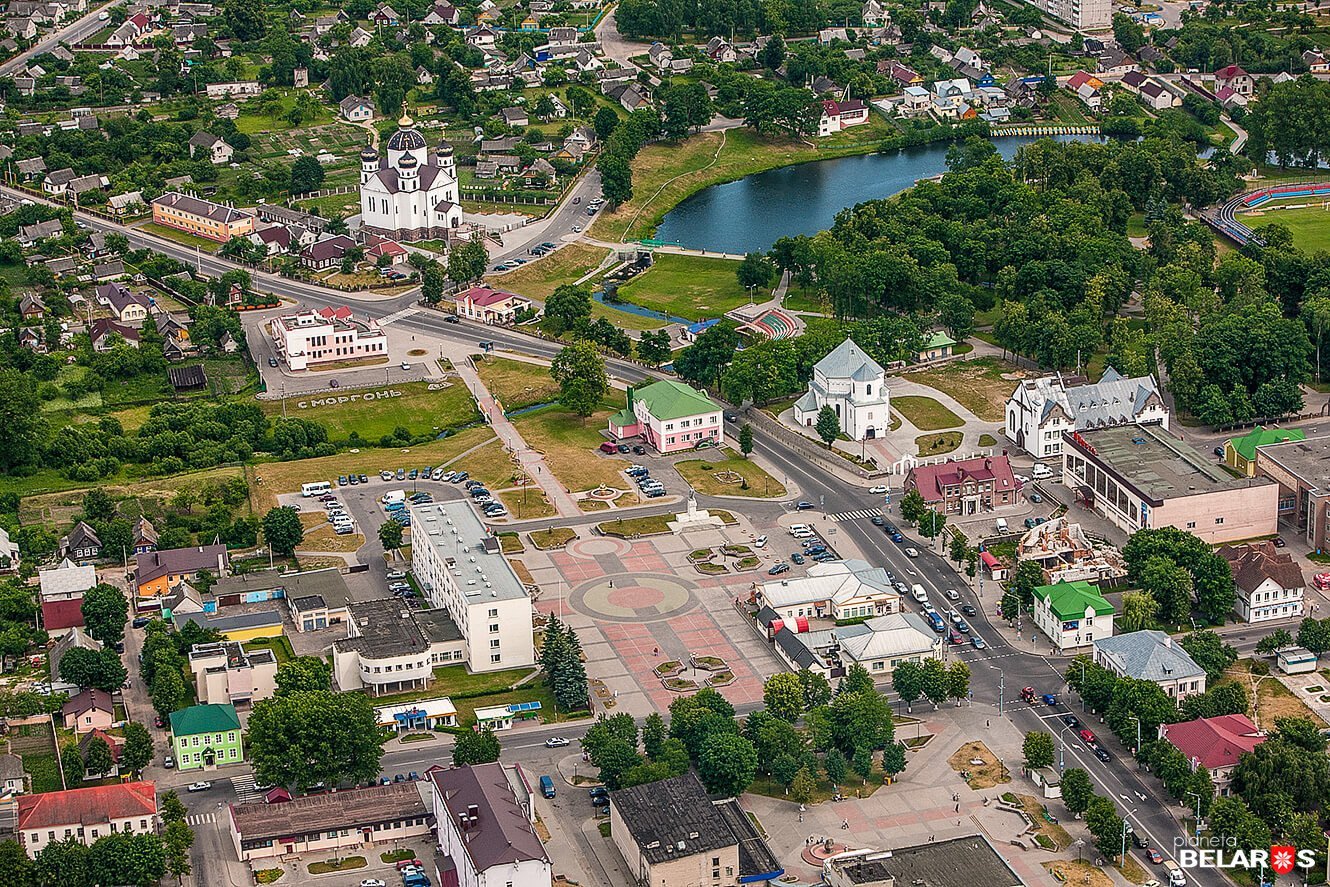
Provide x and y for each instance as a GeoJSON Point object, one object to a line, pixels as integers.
{"type": "Point", "coordinates": [896, 536]}
{"type": "Point", "coordinates": [272, 361]}
{"type": "Point", "coordinates": [451, 318]}
{"type": "Point", "coordinates": [412, 474]}
{"type": "Point", "coordinates": [1219, 451]}
{"type": "Point", "coordinates": [640, 450]}
{"type": "Point", "coordinates": [1138, 841]}
{"type": "Point", "coordinates": [1279, 542]}
{"type": "Point", "coordinates": [364, 479]}
{"type": "Point", "coordinates": [797, 558]}
{"type": "Point", "coordinates": [623, 448]}
{"type": "Point", "coordinates": [777, 569]}
{"type": "Point", "coordinates": [341, 480]}
{"type": "Point", "coordinates": [803, 506]}
{"type": "Point", "coordinates": [968, 610]}
{"type": "Point", "coordinates": [140, 621]}
{"type": "Point", "coordinates": [353, 479]}
{"type": "Point", "coordinates": [1071, 721]}
{"type": "Point", "coordinates": [1102, 755]}
{"type": "Point", "coordinates": [460, 476]}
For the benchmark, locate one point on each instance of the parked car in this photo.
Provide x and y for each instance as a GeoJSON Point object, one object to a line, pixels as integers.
{"type": "Point", "coordinates": [1088, 737]}
{"type": "Point", "coordinates": [199, 786]}
{"type": "Point", "coordinates": [372, 882]}
{"type": "Point", "coordinates": [1102, 754]}
{"type": "Point", "coordinates": [556, 742]}
{"type": "Point", "coordinates": [760, 542]}
{"type": "Point", "coordinates": [169, 763]}
{"type": "Point", "coordinates": [797, 558]}
{"type": "Point", "coordinates": [1154, 856]}
{"type": "Point", "coordinates": [777, 569]}
{"type": "Point", "coordinates": [878, 520]}
{"type": "Point", "coordinates": [140, 621]}
{"type": "Point", "coordinates": [363, 479]}
{"type": "Point", "coordinates": [639, 450]}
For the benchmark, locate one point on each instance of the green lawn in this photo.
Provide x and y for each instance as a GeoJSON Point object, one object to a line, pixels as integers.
{"type": "Point", "coordinates": [570, 445]}
{"type": "Point", "coordinates": [691, 287]}
{"type": "Point", "coordinates": [418, 409]}
{"type": "Point", "coordinates": [937, 443]}
{"type": "Point", "coordinates": [925, 413]}
{"type": "Point", "coordinates": [710, 475]}
{"type": "Point", "coordinates": [280, 647]}
{"type": "Point", "coordinates": [203, 243]}
{"type": "Point", "coordinates": [978, 385]}
{"type": "Point", "coordinates": [540, 277]}
{"type": "Point", "coordinates": [1310, 225]}
{"type": "Point", "coordinates": [515, 383]}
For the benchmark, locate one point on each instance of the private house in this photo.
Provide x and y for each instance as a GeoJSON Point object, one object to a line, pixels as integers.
{"type": "Point", "coordinates": [1072, 615]}
{"type": "Point", "coordinates": [879, 644]}
{"type": "Point", "coordinates": [965, 486]}
{"type": "Point", "coordinates": [718, 49]}
{"type": "Point", "coordinates": [1236, 79]}
{"type": "Point", "coordinates": [90, 710]}
{"type": "Point", "coordinates": [1151, 656]}
{"type": "Point", "coordinates": [1215, 744]}
{"type": "Point", "coordinates": [903, 75]}
{"type": "Point", "coordinates": [489, 305]}
{"type": "Point", "coordinates": [105, 334]}
{"type": "Point", "coordinates": [441, 14]}
{"type": "Point", "coordinates": [9, 553]}
{"type": "Point", "coordinates": [1316, 61]}
{"type": "Point", "coordinates": [115, 745]}
{"type": "Point", "coordinates": [13, 778]}
{"type": "Point", "coordinates": [938, 346]}
{"type": "Point", "coordinates": [211, 147]}
{"type": "Point", "coordinates": [854, 385]}
{"type": "Point", "coordinates": [1269, 582]}
{"type": "Point", "coordinates": [194, 215]}
{"type": "Point", "coordinates": [31, 307]}
{"type": "Point", "coordinates": [158, 572]}
{"type": "Point", "coordinates": [484, 828]}
{"type": "Point", "coordinates": [346, 821]}
{"type": "Point", "coordinates": [1156, 96]}
{"type": "Point", "coordinates": [355, 109]}
{"type": "Point", "coordinates": [670, 416]}
{"type": "Point", "coordinates": [86, 814]}
{"type": "Point", "coordinates": [1138, 476]}
{"type": "Point", "coordinates": [514, 116]}
{"type": "Point", "coordinates": [67, 581]}
{"type": "Point", "coordinates": [837, 116]}
{"type": "Point", "coordinates": [671, 834]}
{"type": "Point", "coordinates": [872, 14]}
{"type": "Point", "coordinates": [1240, 452]}
{"type": "Point", "coordinates": [326, 335]}
{"type": "Point", "coordinates": [915, 101]}
{"type": "Point", "coordinates": [1088, 88]}
{"type": "Point", "coordinates": [325, 253]}
{"type": "Point", "coordinates": [837, 590]}
{"type": "Point", "coordinates": [81, 544]}
{"type": "Point", "coordinates": [226, 673]}
{"type": "Point", "coordinates": [234, 89]}
{"type": "Point", "coordinates": [75, 638]}
{"type": "Point", "coordinates": [1040, 410]}
{"type": "Point", "coordinates": [207, 737]}
{"type": "Point", "coordinates": [125, 306]}
{"type": "Point", "coordinates": [127, 204]}
{"type": "Point", "coordinates": [61, 616]}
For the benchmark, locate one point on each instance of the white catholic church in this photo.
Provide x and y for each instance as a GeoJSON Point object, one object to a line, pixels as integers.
{"type": "Point", "coordinates": [410, 194]}
{"type": "Point", "coordinates": [852, 384]}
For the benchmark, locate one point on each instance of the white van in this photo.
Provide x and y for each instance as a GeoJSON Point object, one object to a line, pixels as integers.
{"type": "Point", "coordinates": [795, 529]}
{"type": "Point", "coordinates": [1175, 876]}
{"type": "Point", "coordinates": [1002, 525]}
{"type": "Point", "coordinates": [394, 496]}
{"type": "Point", "coordinates": [918, 593]}
{"type": "Point", "coordinates": [1041, 471]}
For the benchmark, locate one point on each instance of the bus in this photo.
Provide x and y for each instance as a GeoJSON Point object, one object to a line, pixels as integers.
{"type": "Point", "coordinates": [315, 489]}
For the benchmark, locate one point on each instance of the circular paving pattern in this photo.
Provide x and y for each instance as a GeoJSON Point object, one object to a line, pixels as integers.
{"type": "Point", "coordinates": [634, 598]}
{"type": "Point", "coordinates": [593, 547]}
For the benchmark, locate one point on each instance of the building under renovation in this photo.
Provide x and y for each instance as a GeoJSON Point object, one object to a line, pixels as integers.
{"type": "Point", "coordinates": [1066, 554]}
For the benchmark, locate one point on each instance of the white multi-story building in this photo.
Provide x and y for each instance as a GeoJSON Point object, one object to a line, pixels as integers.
{"type": "Point", "coordinates": [86, 814]}
{"type": "Point", "coordinates": [484, 817]}
{"type": "Point", "coordinates": [326, 335]}
{"type": "Point", "coordinates": [392, 648]}
{"type": "Point", "coordinates": [226, 673]}
{"type": "Point", "coordinates": [1040, 410]}
{"type": "Point", "coordinates": [410, 194]}
{"type": "Point", "coordinates": [855, 386]}
{"type": "Point", "coordinates": [1269, 583]}
{"type": "Point", "coordinates": [1083, 15]}
{"type": "Point", "coordinates": [461, 568]}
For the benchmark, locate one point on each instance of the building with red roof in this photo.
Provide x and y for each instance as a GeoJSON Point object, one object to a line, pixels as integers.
{"type": "Point", "coordinates": [965, 486]}
{"type": "Point", "coordinates": [1235, 79]}
{"type": "Point", "coordinates": [59, 617]}
{"type": "Point", "coordinates": [1215, 744]}
{"type": "Point", "coordinates": [489, 305]}
{"type": "Point", "coordinates": [837, 116]}
{"type": "Point", "coordinates": [86, 814]}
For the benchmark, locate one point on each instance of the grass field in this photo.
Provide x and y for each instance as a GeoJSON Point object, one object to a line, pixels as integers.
{"type": "Point", "coordinates": [701, 475]}
{"type": "Point", "coordinates": [540, 277]}
{"type": "Point", "coordinates": [666, 172]}
{"type": "Point", "coordinates": [536, 503]}
{"type": "Point", "coordinates": [203, 243]}
{"type": "Point", "coordinates": [976, 384]}
{"type": "Point", "coordinates": [1310, 225]}
{"type": "Point", "coordinates": [925, 413]}
{"type": "Point", "coordinates": [569, 445]}
{"type": "Point", "coordinates": [419, 410]}
{"type": "Point", "coordinates": [938, 442]}
{"type": "Point", "coordinates": [1272, 699]}
{"type": "Point", "coordinates": [490, 465]}
{"type": "Point", "coordinates": [62, 507]}
{"type": "Point", "coordinates": [515, 383]}
{"type": "Point", "coordinates": [691, 287]}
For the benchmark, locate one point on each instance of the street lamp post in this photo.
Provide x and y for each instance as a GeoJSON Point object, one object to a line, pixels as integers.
{"type": "Point", "coordinates": [1198, 813]}
{"type": "Point", "coordinates": [1138, 739]}
{"type": "Point", "coordinates": [1002, 687]}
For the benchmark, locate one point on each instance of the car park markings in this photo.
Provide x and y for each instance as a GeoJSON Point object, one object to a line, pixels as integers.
{"type": "Point", "coordinates": [860, 514]}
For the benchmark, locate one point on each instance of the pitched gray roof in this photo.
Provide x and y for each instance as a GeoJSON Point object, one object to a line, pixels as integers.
{"type": "Point", "coordinates": [848, 360]}
{"type": "Point", "coordinates": [1147, 656]}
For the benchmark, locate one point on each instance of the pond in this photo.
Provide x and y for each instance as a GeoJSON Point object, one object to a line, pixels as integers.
{"type": "Point", "coordinates": [752, 213]}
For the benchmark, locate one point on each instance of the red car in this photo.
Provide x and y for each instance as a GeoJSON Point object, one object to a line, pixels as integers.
{"type": "Point", "coordinates": [1088, 737]}
{"type": "Point", "coordinates": [406, 862]}
{"type": "Point", "coordinates": [1154, 856]}
{"type": "Point", "coordinates": [1322, 581]}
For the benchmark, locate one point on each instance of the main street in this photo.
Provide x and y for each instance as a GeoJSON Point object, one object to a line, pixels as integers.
{"type": "Point", "coordinates": [75, 32]}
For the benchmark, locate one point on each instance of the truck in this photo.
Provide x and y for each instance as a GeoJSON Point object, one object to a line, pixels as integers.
{"type": "Point", "coordinates": [1175, 876]}
{"type": "Point", "coordinates": [547, 786]}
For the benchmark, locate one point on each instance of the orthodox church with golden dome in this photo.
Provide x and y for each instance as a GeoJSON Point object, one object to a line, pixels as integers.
{"type": "Point", "coordinates": [410, 194]}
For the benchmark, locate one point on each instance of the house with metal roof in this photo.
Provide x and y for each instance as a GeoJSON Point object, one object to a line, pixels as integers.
{"type": "Point", "coordinates": [848, 589]}
{"type": "Point", "coordinates": [1217, 744]}
{"type": "Point", "coordinates": [1240, 452]}
{"type": "Point", "coordinates": [1039, 410]}
{"type": "Point", "coordinates": [484, 817]}
{"type": "Point", "coordinates": [1154, 656]}
{"type": "Point", "coordinates": [380, 816]}
{"type": "Point", "coordinates": [1269, 582]}
{"type": "Point", "coordinates": [879, 644]}
{"type": "Point", "coordinates": [207, 737]}
{"type": "Point", "coordinates": [854, 385]}
{"type": "Point", "coordinates": [670, 416]}
{"type": "Point", "coordinates": [1072, 614]}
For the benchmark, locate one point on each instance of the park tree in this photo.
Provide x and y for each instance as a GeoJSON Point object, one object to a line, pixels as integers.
{"type": "Point", "coordinates": [1101, 818]}
{"type": "Point", "coordinates": [934, 683]}
{"type": "Point", "coordinates": [1038, 749]}
{"type": "Point", "coordinates": [15, 866]}
{"type": "Point", "coordinates": [433, 281]}
{"type": "Point", "coordinates": [654, 733]}
{"type": "Point", "coordinates": [958, 681]}
{"type": "Point", "coordinates": [1139, 610]}
{"type": "Point", "coordinates": [746, 439]}
{"type": "Point", "coordinates": [703, 362]}
{"type": "Point", "coordinates": [616, 759]}
{"type": "Point", "coordinates": [1077, 789]}
{"type": "Point", "coordinates": [306, 175]}
{"type": "Point", "coordinates": [98, 669]}
{"type": "Point", "coordinates": [727, 764]}
{"type": "Point", "coordinates": [802, 786]}
{"type": "Point", "coordinates": [466, 262]}
{"type": "Point", "coordinates": [1209, 652]}
{"type": "Point", "coordinates": [908, 681]}
{"type": "Point", "coordinates": [569, 308]}
{"type": "Point", "coordinates": [580, 371]}
{"type": "Point", "coordinates": [561, 658]}
{"type": "Point", "coordinates": [816, 688]}
{"type": "Point", "coordinates": [303, 674]}
{"type": "Point", "coordinates": [282, 530]}
{"type": "Point", "coordinates": [105, 611]}
{"type": "Point", "coordinates": [390, 535]}
{"type": "Point", "coordinates": [315, 736]}
{"type": "Point", "coordinates": [783, 696]}
{"type": "Point", "coordinates": [1274, 642]}
{"type": "Point", "coordinates": [137, 751]}
{"type": "Point", "coordinates": [827, 425]}
{"type": "Point", "coordinates": [653, 347]}
{"type": "Point", "coordinates": [755, 272]}
{"type": "Point", "coordinates": [475, 747]}
{"type": "Point", "coordinates": [836, 765]}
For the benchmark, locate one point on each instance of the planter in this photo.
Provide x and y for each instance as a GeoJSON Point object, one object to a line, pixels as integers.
{"type": "Point", "coordinates": [711, 569]}
{"type": "Point", "coordinates": [720, 679]}
{"type": "Point", "coordinates": [710, 663]}
{"type": "Point", "coordinates": [679, 685]}
{"type": "Point", "coordinates": [668, 669]}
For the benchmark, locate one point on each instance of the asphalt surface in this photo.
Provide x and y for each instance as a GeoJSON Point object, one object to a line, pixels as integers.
{"type": "Point", "coordinates": [72, 33]}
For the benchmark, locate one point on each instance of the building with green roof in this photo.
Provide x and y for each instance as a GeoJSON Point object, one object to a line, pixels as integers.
{"type": "Point", "coordinates": [1240, 452]}
{"type": "Point", "coordinates": [207, 737]}
{"type": "Point", "coordinates": [670, 416]}
{"type": "Point", "coordinates": [938, 346]}
{"type": "Point", "coordinates": [1072, 614]}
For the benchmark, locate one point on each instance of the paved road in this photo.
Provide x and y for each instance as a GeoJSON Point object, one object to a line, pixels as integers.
{"type": "Point", "coordinates": [72, 33]}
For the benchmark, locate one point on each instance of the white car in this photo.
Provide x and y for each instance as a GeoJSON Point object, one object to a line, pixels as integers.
{"type": "Point", "coordinates": [405, 365]}
{"type": "Point", "coordinates": [911, 552]}
{"type": "Point", "coordinates": [878, 490]}
{"type": "Point", "coordinates": [372, 882]}
{"type": "Point", "coordinates": [577, 229]}
{"type": "Point", "coordinates": [556, 742]}
{"type": "Point", "coordinates": [199, 786]}
{"type": "Point", "coordinates": [761, 542]}
{"type": "Point", "coordinates": [953, 594]}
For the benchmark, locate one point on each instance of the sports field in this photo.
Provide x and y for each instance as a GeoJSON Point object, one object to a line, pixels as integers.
{"type": "Point", "coordinates": [1310, 224]}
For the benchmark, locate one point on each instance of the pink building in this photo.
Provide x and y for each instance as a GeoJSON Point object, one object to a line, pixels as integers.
{"type": "Point", "coordinates": [670, 416]}
{"type": "Point", "coordinates": [490, 306]}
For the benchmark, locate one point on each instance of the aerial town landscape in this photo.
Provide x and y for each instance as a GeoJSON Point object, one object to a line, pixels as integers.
{"type": "Point", "coordinates": [824, 443]}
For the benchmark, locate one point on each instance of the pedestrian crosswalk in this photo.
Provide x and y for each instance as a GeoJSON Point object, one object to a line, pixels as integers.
{"type": "Point", "coordinates": [246, 789]}
{"type": "Point", "coordinates": [200, 818]}
{"type": "Point", "coordinates": [396, 316]}
{"type": "Point", "coordinates": [859, 514]}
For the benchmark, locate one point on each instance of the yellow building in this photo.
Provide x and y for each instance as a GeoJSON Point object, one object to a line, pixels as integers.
{"type": "Point", "coordinates": [215, 221]}
{"type": "Point", "coordinates": [158, 572]}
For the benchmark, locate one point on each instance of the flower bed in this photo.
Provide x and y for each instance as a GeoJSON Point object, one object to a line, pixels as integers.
{"type": "Point", "coordinates": [711, 569]}
{"type": "Point", "coordinates": [679, 685]}
{"type": "Point", "coordinates": [669, 669]}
